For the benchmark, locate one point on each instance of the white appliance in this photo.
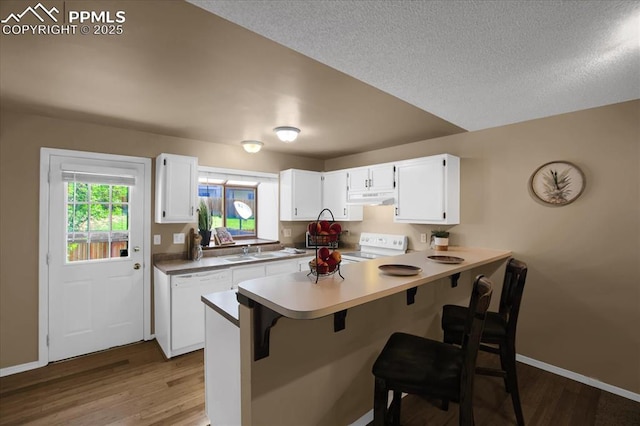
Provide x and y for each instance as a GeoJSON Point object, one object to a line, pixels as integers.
{"type": "Point", "coordinates": [179, 311]}
{"type": "Point", "coordinates": [374, 245]}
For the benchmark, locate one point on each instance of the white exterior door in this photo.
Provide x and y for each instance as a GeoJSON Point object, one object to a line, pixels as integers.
{"type": "Point", "coordinates": [95, 255]}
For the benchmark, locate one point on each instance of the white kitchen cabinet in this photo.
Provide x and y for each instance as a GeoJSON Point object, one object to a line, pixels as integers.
{"type": "Point", "coordinates": [176, 188]}
{"type": "Point", "coordinates": [303, 264]}
{"type": "Point", "coordinates": [281, 267]}
{"type": "Point", "coordinates": [379, 177]}
{"type": "Point", "coordinates": [179, 312]}
{"type": "Point", "coordinates": [334, 197]}
{"type": "Point", "coordinates": [249, 272]}
{"type": "Point", "coordinates": [428, 190]}
{"type": "Point", "coordinates": [273, 267]}
{"type": "Point", "coordinates": [300, 195]}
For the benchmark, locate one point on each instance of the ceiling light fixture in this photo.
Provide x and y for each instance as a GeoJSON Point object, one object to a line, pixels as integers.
{"type": "Point", "coordinates": [287, 133]}
{"type": "Point", "coordinates": [252, 146]}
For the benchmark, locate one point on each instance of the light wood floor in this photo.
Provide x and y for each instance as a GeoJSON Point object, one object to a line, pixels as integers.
{"type": "Point", "coordinates": [134, 385]}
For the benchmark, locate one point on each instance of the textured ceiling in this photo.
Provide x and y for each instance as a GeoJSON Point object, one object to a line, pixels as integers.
{"type": "Point", "coordinates": [476, 64]}
{"type": "Point", "coordinates": [353, 75]}
{"type": "Point", "coordinates": [179, 70]}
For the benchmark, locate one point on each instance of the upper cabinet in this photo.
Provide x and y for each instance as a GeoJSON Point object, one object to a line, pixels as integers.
{"type": "Point", "coordinates": [428, 190]}
{"type": "Point", "coordinates": [424, 190]}
{"type": "Point", "coordinates": [371, 178]}
{"type": "Point", "coordinates": [300, 194]}
{"type": "Point", "coordinates": [334, 197]}
{"type": "Point", "coordinates": [176, 188]}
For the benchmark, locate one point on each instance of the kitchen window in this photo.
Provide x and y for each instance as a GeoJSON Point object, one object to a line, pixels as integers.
{"type": "Point", "coordinates": [235, 202]}
{"type": "Point", "coordinates": [231, 205]}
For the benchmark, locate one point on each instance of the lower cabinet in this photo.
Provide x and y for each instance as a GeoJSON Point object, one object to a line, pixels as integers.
{"type": "Point", "coordinates": [243, 273]}
{"type": "Point", "coordinates": [179, 312]}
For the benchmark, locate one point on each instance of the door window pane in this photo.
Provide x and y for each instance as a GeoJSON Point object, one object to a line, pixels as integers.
{"type": "Point", "coordinates": [99, 229]}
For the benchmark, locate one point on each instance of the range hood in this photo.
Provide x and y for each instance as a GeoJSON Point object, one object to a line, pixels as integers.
{"type": "Point", "coordinates": [379, 198]}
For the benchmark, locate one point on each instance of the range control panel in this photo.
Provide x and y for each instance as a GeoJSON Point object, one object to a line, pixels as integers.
{"type": "Point", "coordinates": [383, 241]}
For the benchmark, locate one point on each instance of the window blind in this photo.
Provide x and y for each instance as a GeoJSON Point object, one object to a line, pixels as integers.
{"type": "Point", "coordinates": [109, 176]}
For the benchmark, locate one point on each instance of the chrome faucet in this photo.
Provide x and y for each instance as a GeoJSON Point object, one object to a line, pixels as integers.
{"type": "Point", "coordinates": [245, 250]}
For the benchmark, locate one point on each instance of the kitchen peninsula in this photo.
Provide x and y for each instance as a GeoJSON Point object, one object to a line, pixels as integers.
{"type": "Point", "coordinates": [300, 352]}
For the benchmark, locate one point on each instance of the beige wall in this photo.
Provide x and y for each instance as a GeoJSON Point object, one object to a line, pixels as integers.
{"type": "Point", "coordinates": [582, 301]}
{"type": "Point", "coordinates": [21, 137]}
{"type": "Point", "coordinates": [581, 306]}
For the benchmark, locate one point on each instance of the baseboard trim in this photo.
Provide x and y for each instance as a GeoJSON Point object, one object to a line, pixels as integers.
{"type": "Point", "coordinates": [368, 417]}
{"type": "Point", "coordinates": [579, 378]}
{"type": "Point", "coordinates": [364, 420]}
{"type": "Point", "coordinates": [14, 369]}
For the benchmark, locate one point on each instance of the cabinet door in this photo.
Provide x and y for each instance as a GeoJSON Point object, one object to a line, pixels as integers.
{"type": "Point", "coordinates": [381, 177]}
{"type": "Point", "coordinates": [281, 267]}
{"type": "Point", "coordinates": [420, 191]}
{"type": "Point", "coordinates": [334, 197]}
{"type": "Point", "coordinates": [176, 188]}
{"type": "Point", "coordinates": [244, 273]}
{"type": "Point", "coordinates": [300, 195]}
{"type": "Point", "coordinates": [303, 265]}
{"type": "Point", "coordinates": [358, 179]}
{"type": "Point", "coordinates": [307, 195]}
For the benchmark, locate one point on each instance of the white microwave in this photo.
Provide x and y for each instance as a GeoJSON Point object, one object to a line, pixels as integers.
{"type": "Point", "coordinates": [330, 241]}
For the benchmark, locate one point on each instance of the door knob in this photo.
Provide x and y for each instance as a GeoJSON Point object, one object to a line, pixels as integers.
{"type": "Point", "coordinates": [136, 266]}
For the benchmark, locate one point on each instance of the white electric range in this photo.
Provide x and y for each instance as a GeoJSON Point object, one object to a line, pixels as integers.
{"type": "Point", "coordinates": [374, 245]}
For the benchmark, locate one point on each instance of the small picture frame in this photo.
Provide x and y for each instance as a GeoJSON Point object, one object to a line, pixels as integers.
{"type": "Point", "coordinates": [557, 183]}
{"type": "Point", "coordinates": [223, 236]}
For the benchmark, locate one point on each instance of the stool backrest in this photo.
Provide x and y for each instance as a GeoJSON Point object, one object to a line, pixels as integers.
{"type": "Point", "coordinates": [478, 305]}
{"type": "Point", "coordinates": [515, 277]}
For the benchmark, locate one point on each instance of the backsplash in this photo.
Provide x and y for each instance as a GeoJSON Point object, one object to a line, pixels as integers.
{"type": "Point", "coordinates": [376, 219]}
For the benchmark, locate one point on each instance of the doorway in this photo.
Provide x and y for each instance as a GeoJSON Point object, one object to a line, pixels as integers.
{"type": "Point", "coordinates": [95, 253]}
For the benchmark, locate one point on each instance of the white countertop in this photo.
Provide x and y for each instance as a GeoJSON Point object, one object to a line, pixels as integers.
{"type": "Point", "coordinates": [298, 296]}
{"type": "Point", "coordinates": [225, 303]}
{"type": "Point", "coordinates": [183, 266]}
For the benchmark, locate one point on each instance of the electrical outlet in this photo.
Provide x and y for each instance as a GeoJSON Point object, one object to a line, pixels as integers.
{"type": "Point", "coordinates": [287, 232]}
{"type": "Point", "coordinates": [178, 238]}
{"type": "Point", "coordinates": [423, 238]}
{"type": "Point", "coordinates": [157, 240]}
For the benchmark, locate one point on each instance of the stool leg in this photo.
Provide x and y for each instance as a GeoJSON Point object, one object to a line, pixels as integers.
{"type": "Point", "coordinates": [504, 363]}
{"type": "Point", "coordinates": [380, 397]}
{"type": "Point", "coordinates": [395, 408]}
{"type": "Point", "coordinates": [512, 380]}
{"type": "Point", "coordinates": [466, 411]}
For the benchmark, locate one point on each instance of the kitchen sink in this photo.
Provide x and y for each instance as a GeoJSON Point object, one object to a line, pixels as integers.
{"type": "Point", "coordinates": [239, 258]}
{"type": "Point", "coordinates": [253, 256]}
{"type": "Point", "coordinates": [263, 255]}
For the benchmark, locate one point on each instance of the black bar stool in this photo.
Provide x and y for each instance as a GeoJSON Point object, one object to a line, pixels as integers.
{"type": "Point", "coordinates": [418, 365]}
{"type": "Point", "coordinates": [499, 330]}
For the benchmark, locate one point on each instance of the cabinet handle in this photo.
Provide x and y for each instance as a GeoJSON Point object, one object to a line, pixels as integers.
{"type": "Point", "coordinates": [370, 183]}
{"type": "Point", "coordinates": [295, 211]}
{"type": "Point", "coordinates": [366, 183]}
{"type": "Point", "coordinates": [396, 211]}
{"type": "Point", "coordinates": [345, 211]}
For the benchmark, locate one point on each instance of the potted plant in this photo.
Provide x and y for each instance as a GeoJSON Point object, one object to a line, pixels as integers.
{"type": "Point", "coordinates": [204, 223]}
{"type": "Point", "coordinates": [440, 240]}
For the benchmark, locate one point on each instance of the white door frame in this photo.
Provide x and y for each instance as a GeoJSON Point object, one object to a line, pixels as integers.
{"type": "Point", "coordinates": [43, 243]}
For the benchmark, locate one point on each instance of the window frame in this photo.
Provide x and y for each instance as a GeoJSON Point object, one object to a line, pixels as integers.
{"type": "Point", "coordinates": [226, 186]}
